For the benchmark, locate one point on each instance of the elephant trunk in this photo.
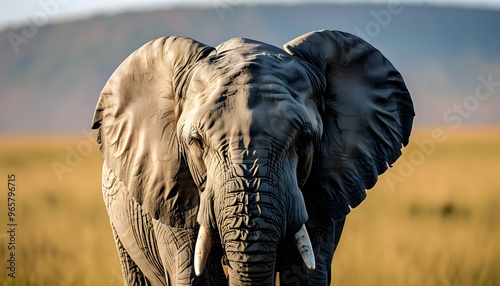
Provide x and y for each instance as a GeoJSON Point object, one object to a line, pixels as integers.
{"type": "Point", "coordinates": [251, 216]}
{"type": "Point", "coordinates": [246, 268]}
{"type": "Point", "coordinates": [252, 228]}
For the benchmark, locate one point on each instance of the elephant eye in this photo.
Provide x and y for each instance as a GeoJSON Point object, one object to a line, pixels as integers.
{"type": "Point", "coordinates": [196, 139]}
{"type": "Point", "coordinates": [304, 142]}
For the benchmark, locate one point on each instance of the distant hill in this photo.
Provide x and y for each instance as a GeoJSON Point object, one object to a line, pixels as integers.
{"type": "Point", "coordinates": [51, 84]}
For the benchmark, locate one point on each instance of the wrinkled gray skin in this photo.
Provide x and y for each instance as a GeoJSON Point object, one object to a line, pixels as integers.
{"type": "Point", "coordinates": [251, 142]}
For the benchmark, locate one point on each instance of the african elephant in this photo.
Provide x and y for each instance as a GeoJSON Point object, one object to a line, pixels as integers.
{"type": "Point", "coordinates": [231, 164]}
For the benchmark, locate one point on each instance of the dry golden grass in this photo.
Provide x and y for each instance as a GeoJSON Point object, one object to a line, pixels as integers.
{"type": "Point", "coordinates": [63, 234]}
{"type": "Point", "coordinates": [437, 224]}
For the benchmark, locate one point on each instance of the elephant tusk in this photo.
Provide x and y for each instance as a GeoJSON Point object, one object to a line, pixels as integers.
{"type": "Point", "coordinates": [201, 250]}
{"type": "Point", "coordinates": [305, 247]}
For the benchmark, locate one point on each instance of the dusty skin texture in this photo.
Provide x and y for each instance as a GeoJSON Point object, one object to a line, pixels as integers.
{"type": "Point", "coordinates": [257, 151]}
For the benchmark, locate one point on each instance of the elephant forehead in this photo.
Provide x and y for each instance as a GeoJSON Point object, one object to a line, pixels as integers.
{"type": "Point", "coordinates": [268, 72]}
{"type": "Point", "coordinates": [254, 74]}
{"type": "Point", "coordinates": [240, 94]}
{"type": "Point", "coordinates": [240, 56]}
{"type": "Point", "coordinates": [251, 115]}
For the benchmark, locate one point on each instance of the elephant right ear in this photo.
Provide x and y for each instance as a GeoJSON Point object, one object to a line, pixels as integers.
{"type": "Point", "coordinates": [137, 116]}
{"type": "Point", "coordinates": [367, 118]}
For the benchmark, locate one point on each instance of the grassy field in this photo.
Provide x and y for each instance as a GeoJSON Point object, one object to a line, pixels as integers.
{"type": "Point", "coordinates": [433, 219]}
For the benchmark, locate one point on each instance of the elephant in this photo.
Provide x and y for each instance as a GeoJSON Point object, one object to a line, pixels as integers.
{"type": "Point", "coordinates": [237, 164]}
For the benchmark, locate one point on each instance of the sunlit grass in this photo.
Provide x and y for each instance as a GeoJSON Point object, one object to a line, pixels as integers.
{"type": "Point", "coordinates": [63, 235]}
{"type": "Point", "coordinates": [437, 226]}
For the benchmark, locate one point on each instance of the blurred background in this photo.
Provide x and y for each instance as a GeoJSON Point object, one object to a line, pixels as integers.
{"type": "Point", "coordinates": [433, 219]}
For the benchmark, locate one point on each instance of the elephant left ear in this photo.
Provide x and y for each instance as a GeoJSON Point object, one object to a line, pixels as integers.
{"type": "Point", "coordinates": [367, 119]}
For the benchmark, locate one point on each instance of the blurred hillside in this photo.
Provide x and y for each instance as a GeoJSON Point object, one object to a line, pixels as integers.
{"type": "Point", "coordinates": [50, 78]}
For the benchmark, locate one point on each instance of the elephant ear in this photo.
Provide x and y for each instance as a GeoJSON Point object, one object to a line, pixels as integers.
{"type": "Point", "coordinates": [137, 116]}
{"type": "Point", "coordinates": [367, 118]}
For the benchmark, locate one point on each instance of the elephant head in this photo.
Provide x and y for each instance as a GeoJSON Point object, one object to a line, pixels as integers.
{"type": "Point", "coordinates": [250, 147]}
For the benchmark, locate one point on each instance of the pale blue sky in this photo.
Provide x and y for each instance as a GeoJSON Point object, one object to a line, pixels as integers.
{"type": "Point", "coordinates": [18, 11]}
